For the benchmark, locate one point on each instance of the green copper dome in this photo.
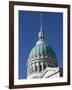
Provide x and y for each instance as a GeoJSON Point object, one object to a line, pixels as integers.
{"type": "Point", "coordinates": [41, 47]}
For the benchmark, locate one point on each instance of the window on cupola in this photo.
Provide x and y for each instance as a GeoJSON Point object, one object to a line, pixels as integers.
{"type": "Point", "coordinates": [41, 37]}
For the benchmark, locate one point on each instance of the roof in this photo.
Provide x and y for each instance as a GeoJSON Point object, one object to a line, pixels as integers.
{"type": "Point", "coordinates": [41, 49]}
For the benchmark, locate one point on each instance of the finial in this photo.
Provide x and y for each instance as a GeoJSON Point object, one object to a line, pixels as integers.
{"type": "Point", "coordinates": [41, 33]}
{"type": "Point", "coordinates": [41, 22]}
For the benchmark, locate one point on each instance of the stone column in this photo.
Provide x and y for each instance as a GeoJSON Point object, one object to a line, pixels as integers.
{"type": "Point", "coordinates": [28, 70]}
{"type": "Point", "coordinates": [46, 64]}
{"type": "Point", "coordinates": [34, 67]}
{"type": "Point", "coordinates": [38, 67]}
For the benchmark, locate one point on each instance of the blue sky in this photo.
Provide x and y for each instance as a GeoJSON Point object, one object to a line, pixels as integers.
{"type": "Point", "coordinates": [29, 26]}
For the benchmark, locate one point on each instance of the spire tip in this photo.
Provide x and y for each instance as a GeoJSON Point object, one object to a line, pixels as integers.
{"type": "Point", "coordinates": [41, 22]}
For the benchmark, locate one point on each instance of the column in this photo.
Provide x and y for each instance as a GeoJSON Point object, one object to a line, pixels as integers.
{"type": "Point", "coordinates": [34, 67]}
{"type": "Point", "coordinates": [30, 69]}
{"type": "Point", "coordinates": [46, 64]}
{"type": "Point", "coordinates": [27, 70]}
{"type": "Point", "coordinates": [38, 67]}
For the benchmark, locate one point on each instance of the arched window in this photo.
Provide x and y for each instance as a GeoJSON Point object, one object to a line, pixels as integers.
{"type": "Point", "coordinates": [40, 67]}
{"type": "Point", "coordinates": [44, 65]}
{"type": "Point", "coordinates": [41, 37]}
{"type": "Point", "coordinates": [48, 65]}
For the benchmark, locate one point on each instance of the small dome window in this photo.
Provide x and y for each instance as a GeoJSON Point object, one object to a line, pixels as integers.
{"type": "Point", "coordinates": [41, 37]}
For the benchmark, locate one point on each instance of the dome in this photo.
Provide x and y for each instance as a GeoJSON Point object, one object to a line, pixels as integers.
{"type": "Point", "coordinates": [41, 49]}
